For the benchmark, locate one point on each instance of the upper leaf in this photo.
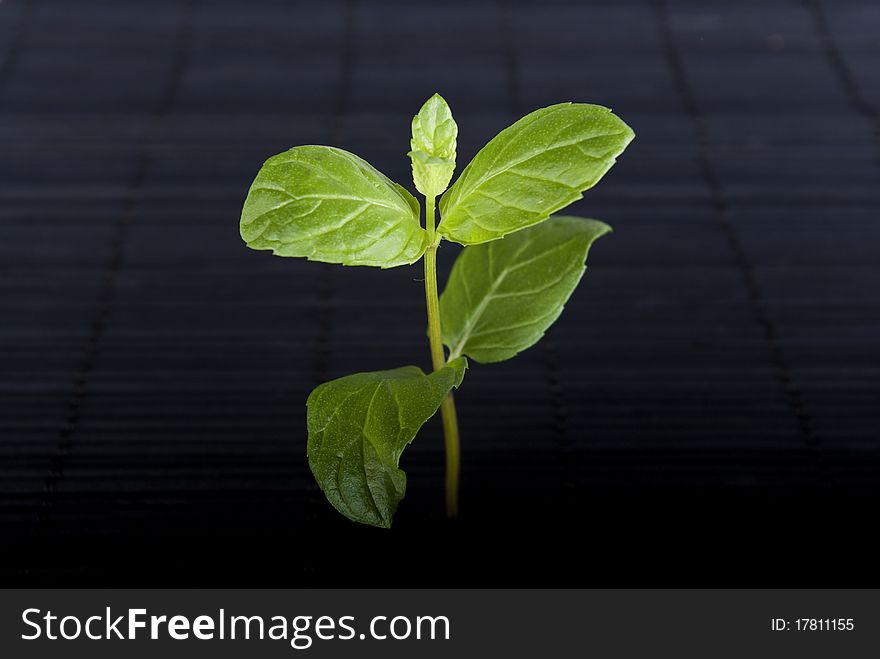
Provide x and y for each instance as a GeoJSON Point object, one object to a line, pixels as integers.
{"type": "Point", "coordinates": [532, 169]}
{"type": "Point", "coordinates": [434, 134]}
{"type": "Point", "coordinates": [502, 296]}
{"type": "Point", "coordinates": [431, 174]}
{"type": "Point", "coordinates": [434, 131]}
{"type": "Point", "coordinates": [358, 427]}
{"type": "Point", "coordinates": [329, 205]}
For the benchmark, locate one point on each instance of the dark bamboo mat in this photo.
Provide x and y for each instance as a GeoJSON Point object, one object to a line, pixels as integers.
{"type": "Point", "coordinates": [709, 395]}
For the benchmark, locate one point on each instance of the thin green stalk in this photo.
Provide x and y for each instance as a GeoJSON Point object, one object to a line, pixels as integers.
{"type": "Point", "coordinates": [438, 359]}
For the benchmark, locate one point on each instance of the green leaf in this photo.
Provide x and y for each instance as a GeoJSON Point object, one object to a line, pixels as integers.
{"type": "Point", "coordinates": [434, 134]}
{"type": "Point", "coordinates": [431, 174]}
{"type": "Point", "coordinates": [502, 296]}
{"type": "Point", "coordinates": [329, 205]}
{"type": "Point", "coordinates": [358, 427]}
{"type": "Point", "coordinates": [532, 169]}
{"type": "Point", "coordinates": [434, 131]}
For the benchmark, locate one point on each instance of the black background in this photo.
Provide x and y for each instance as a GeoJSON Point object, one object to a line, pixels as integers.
{"type": "Point", "coordinates": [704, 412]}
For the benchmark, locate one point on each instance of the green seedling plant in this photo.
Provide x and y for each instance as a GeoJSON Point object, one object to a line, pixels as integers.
{"type": "Point", "coordinates": [518, 268]}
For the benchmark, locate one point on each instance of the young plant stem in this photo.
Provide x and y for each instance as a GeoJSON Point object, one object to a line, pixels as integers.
{"type": "Point", "coordinates": [438, 359]}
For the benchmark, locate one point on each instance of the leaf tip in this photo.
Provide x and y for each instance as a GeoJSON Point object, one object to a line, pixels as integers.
{"type": "Point", "coordinates": [602, 228]}
{"type": "Point", "coordinates": [459, 365]}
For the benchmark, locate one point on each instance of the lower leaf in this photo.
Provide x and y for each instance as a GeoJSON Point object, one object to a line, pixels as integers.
{"type": "Point", "coordinates": [358, 426]}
